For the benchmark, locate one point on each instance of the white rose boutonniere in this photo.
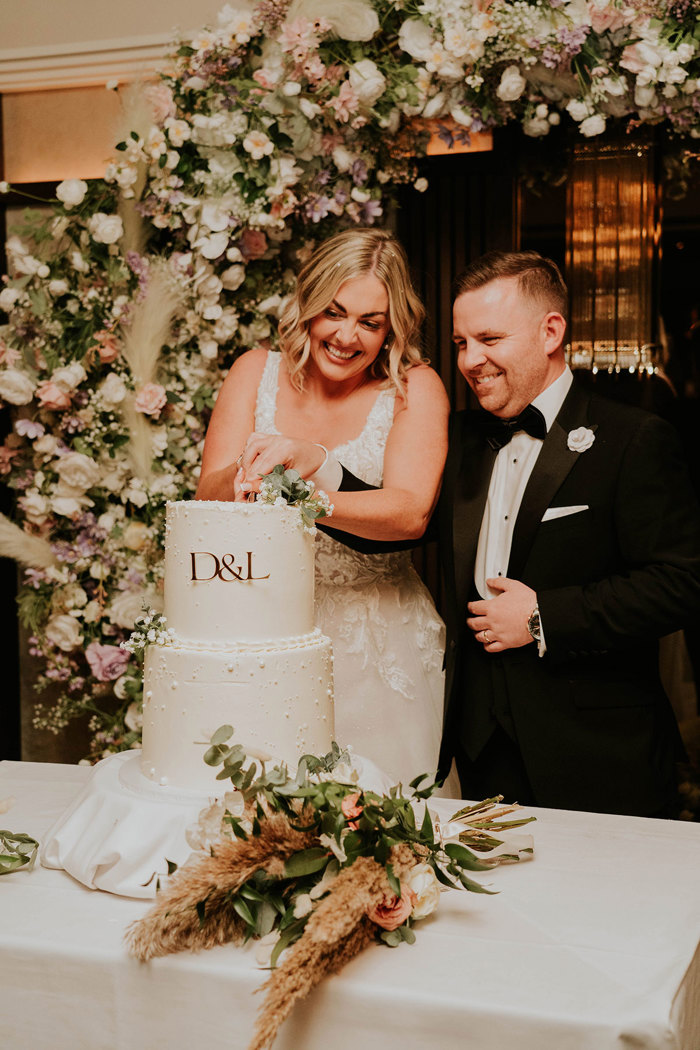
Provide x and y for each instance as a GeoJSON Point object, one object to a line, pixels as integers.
{"type": "Point", "coordinates": [580, 440]}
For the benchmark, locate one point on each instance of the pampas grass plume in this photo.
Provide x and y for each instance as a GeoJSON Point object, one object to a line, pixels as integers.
{"type": "Point", "coordinates": [33, 551]}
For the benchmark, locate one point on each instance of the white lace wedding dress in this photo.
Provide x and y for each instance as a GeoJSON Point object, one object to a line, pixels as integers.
{"type": "Point", "coordinates": [388, 640]}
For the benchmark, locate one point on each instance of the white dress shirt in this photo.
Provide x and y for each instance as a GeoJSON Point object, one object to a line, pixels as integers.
{"type": "Point", "coordinates": [511, 473]}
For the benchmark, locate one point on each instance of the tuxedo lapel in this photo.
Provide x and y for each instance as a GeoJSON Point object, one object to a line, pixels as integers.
{"type": "Point", "coordinates": [553, 465]}
{"type": "Point", "coordinates": [470, 489]}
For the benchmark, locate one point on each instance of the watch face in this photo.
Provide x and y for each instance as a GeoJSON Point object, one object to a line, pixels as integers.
{"type": "Point", "coordinates": [533, 625]}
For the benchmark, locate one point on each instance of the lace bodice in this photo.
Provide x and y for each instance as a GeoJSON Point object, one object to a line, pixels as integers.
{"type": "Point", "coordinates": [364, 454]}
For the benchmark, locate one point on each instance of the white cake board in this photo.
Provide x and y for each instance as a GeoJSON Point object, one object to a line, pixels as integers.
{"type": "Point", "coordinates": [122, 829]}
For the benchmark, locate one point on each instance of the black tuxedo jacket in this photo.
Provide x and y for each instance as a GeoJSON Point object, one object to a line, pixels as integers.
{"type": "Point", "coordinates": [591, 719]}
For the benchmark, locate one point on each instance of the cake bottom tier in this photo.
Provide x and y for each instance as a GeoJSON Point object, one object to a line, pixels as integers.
{"type": "Point", "coordinates": [279, 700]}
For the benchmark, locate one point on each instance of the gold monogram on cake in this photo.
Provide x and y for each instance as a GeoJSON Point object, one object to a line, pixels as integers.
{"type": "Point", "coordinates": [225, 568]}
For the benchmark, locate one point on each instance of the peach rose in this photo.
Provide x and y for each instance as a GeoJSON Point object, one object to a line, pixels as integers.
{"type": "Point", "coordinates": [253, 244]}
{"type": "Point", "coordinates": [392, 911]}
{"type": "Point", "coordinates": [151, 399]}
{"type": "Point", "coordinates": [51, 396]}
{"type": "Point", "coordinates": [106, 346]}
{"type": "Point", "coordinates": [351, 811]}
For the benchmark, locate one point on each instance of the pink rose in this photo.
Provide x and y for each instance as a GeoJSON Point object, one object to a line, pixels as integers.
{"type": "Point", "coordinates": [160, 99]}
{"type": "Point", "coordinates": [107, 662]}
{"type": "Point", "coordinates": [351, 811]}
{"type": "Point", "coordinates": [392, 911]}
{"type": "Point", "coordinates": [106, 346]}
{"type": "Point", "coordinates": [265, 78]}
{"type": "Point", "coordinates": [150, 399]}
{"type": "Point", "coordinates": [51, 396]}
{"type": "Point", "coordinates": [607, 18]}
{"type": "Point", "coordinates": [253, 244]}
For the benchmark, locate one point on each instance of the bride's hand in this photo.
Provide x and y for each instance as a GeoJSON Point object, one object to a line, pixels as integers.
{"type": "Point", "coordinates": [263, 452]}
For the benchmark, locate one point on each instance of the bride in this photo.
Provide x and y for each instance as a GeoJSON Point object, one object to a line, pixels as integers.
{"type": "Point", "coordinates": [350, 378]}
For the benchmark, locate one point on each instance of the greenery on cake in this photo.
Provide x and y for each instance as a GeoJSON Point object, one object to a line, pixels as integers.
{"type": "Point", "coordinates": [288, 487]}
{"type": "Point", "coordinates": [313, 866]}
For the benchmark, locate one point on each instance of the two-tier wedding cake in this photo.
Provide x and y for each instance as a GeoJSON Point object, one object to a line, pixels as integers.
{"type": "Point", "coordinates": [242, 649]}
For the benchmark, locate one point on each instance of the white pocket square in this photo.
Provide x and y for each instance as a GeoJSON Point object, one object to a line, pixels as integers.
{"type": "Point", "coordinates": [562, 512]}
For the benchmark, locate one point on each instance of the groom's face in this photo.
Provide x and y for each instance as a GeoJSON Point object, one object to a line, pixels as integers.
{"type": "Point", "coordinates": [505, 344]}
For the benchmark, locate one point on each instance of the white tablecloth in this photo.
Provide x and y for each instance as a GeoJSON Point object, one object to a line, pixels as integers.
{"type": "Point", "coordinates": [592, 946]}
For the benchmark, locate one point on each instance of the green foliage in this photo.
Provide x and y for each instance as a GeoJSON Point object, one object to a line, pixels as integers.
{"type": "Point", "coordinates": [17, 850]}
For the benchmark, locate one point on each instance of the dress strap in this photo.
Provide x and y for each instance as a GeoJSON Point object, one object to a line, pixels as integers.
{"type": "Point", "coordinates": [266, 401]}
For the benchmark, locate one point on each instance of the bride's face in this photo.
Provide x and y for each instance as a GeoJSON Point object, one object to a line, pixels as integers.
{"type": "Point", "coordinates": [348, 336]}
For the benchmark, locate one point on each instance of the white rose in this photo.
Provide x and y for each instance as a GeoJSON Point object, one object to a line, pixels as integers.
{"type": "Point", "coordinates": [212, 247]}
{"type": "Point", "coordinates": [105, 229]}
{"type": "Point", "coordinates": [421, 184]}
{"type": "Point", "coordinates": [69, 377]}
{"type": "Point", "coordinates": [366, 81]}
{"type": "Point", "coordinates": [208, 348]}
{"type": "Point", "coordinates": [77, 470]}
{"type": "Point", "coordinates": [215, 217]}
{"type": "Point", "coordinates": [71, 192]}
{"type": "Point", "coordinates": [126, 608]}
{"type": "Point", "coordinates": [8, 298]}
{"type": "Point", "coordinates": [343, 158]}
{"type": "Point", "coordinates": [72, 597]}
{"type": "Point", "coordinates": [644, 96]}
{"type": "Point", "coordinates": [35, 507]}
{"type": "Point", "coordinates": [310, 109]}
{"type": "Point", "coordinates": [535, 127]}
{"type": "Point", "coordinates": [594, 125]}
{"type": "Point", "coordinates": [423, 882]}
{"type": "Point", "coordinates": [58, 287]}
{"type": "Point", "coordinates": [15, 387]}
{"type": "Point", "coordinates": [512, 84]}
{"type": "Point", "coordinates": [350, 19]}
{"type": "Point", "coordinates": [435, 107]}
{"type": "Point", "coordinates": [64, 632]}
{"type": "Point", "coordinates": [112, 390]}
{"type": "Point", "coordinates": [135, 493]}
{"type": "Point", "coordinates": [92, 612]}
{"type": "Point", "coordinates": [135, 535]}
{"type": "Point", "coordinates": [580, 440]}
{"type": "Point", "coordinates": [233, 277]}
{"type": "Point", "coordinates": [577, 109]}
{"type": "Point", "coordinates": [291, 88]}
{"type": "Point", "coordinates": [416, 38]}
{"type": "Point", "coordinates": [66, 506]}
{"type": "Point", "coordinates": [46, 445]}
{"type": "Point", "coordinates": [133, 719]}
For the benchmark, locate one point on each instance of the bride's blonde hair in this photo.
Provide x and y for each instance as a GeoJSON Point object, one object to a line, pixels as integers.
{"type": "Point", "coordinates": [355, 253]}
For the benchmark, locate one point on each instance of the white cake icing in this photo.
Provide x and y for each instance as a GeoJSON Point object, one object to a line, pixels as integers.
{"type": "Point", "coordinates": [239, 581]}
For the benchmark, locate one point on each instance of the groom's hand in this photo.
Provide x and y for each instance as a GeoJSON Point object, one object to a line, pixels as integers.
{"type": "Point", "coordinates": [501, 623]}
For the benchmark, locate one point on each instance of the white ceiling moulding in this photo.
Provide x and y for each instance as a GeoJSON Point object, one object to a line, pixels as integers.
{"type": "Point", "coordinates": [82, 64]}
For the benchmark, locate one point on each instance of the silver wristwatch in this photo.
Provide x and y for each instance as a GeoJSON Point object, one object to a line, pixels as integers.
{"type": "Point", "coordinates": [533, 624]}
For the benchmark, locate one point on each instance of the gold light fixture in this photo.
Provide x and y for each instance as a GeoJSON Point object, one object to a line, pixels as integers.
{"type": "Point", "coordinates": [613, 229]}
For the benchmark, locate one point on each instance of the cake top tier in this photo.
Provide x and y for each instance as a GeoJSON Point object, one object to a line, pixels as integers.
{"type": "Point", "coordinates": [237, 572]}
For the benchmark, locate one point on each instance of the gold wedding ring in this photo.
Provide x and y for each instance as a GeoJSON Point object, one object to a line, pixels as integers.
{"type": "Point", "coordinates": [486, 637]}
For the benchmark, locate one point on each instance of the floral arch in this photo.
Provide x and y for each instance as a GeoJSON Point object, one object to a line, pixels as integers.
{"type": "Point", "coordinates": [270, 130]}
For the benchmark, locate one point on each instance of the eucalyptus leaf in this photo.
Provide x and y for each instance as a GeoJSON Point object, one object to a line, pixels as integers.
{"type": "Point", "coordinates": [222, 734]}
{"type": "Point", "coordinates": [305, 862]}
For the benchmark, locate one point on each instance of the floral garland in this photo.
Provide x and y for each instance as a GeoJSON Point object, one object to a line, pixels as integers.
{"type": "Point", "coordinates": [284, 122]}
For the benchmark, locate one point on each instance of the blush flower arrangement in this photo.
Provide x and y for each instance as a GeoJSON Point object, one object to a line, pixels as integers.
{"type": "Point", "coordinates": [312, 866]}
{"type": "Point", "coordinates": [269, 130]}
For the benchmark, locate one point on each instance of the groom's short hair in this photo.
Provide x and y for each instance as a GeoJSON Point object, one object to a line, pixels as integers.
{"type": "Point", "coordinates": [538, 277]}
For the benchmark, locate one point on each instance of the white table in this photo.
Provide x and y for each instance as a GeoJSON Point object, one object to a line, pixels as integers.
{"type": "Point", "coordinates": [591, 946]}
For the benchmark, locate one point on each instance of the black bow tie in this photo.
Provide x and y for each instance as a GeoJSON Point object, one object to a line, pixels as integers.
{"type": "Point", "coordinates": [498, 432]}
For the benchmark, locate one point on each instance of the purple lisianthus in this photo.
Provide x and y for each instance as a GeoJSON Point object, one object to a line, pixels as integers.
{"type": "Point", "coordinates": [107, 662]}
{"type": "Point", "coordinates": [573, 39]}
{"type": "Point", "coordinates": [317, 208]}
{"type": "Point", "coordinates": [370, 211]}
{"type": "Point", "coordinates": [29, 429]}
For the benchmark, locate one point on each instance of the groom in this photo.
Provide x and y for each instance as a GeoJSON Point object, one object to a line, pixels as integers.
{"type": "Point", "coordinates": [570, 542]}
